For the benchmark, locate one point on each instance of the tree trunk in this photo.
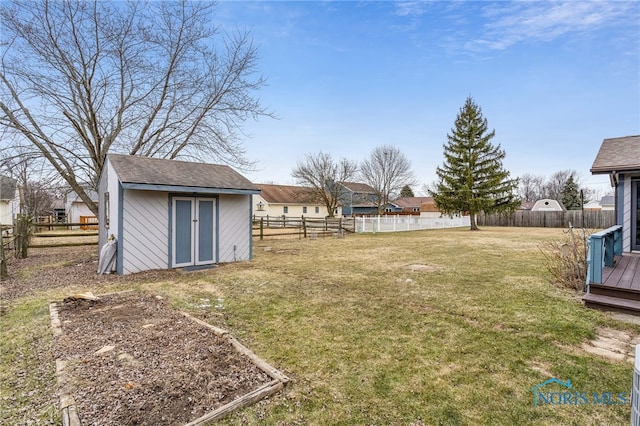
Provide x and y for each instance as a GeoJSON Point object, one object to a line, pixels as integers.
{"type": "Point", "coordinates": [474, 226]}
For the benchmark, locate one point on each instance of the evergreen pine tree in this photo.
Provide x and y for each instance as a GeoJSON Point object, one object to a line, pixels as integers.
{"type": "Point", "coordinates": [406, 191]}
{"type": "Point", "coordinates": [570, 195]}
{"type": "Point", "coordinates": [472, 178]}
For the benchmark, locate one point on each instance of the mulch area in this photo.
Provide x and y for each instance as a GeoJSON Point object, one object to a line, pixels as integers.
{"type": "Point", "coordinates": [158, 367]}
{"type": "Point", "coordinates": [164, 368]}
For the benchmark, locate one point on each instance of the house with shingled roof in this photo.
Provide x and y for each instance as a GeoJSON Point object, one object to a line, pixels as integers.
{"type": "Point", "coordinates": [613, 272]}
{"type": "Point", "coordinates": [288, 200]}
{"type": "Point", "coordinates": [358, 199]}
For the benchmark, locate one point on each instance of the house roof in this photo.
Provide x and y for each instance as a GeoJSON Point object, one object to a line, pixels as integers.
{"type": "Point", "coordinates": [608, 200]}
{"type": "Point", "coordinates": [287, 194]}
{"type": "Point", "coordinates": [7, 188]}
{"type": "Point", "coordinates": [617, 155]}
{"type": "Point", "coordinates": [411, 202]}
{"type": "Point", "coordinates": [147, 171]}
{"type": "Point", "coordinates": [358, 187]}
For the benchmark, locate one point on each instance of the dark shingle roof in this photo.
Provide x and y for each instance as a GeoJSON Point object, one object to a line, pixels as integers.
{"type": "Point", "coordinates": [287, 194]}
{"type": "Point", "coordinates": [7, 188]}
{"type": "Point", "coordinates": [158, 171]}
{"type": "Point", "coordinates": [618, 154]}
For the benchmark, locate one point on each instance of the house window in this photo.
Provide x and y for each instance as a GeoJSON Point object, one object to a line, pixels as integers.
{"type": "Point", "coordinates": [285, 209]}
{"type": "Point", "coordinates": [304, 210]}
{"type": "Point", "coordinates": [317, 209]}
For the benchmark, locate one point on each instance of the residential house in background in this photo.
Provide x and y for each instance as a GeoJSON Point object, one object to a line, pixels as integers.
{"type": "Point", "coordinates": [170, 214]}
{"type": "Point", "coordinates": [358, 199]}
{"type": "Point", "coordinates": [407, 204]}
{"type": "Point", "coordinates": [76, 211]}
{"type": "Point", "coordinates": [605, 203]}
{"type": "Point", "coordinates": [9, 200]}
{"type": "Point", "coordinates": [288, 200]}
{"type": "Point", "coordinates": [428, 208]}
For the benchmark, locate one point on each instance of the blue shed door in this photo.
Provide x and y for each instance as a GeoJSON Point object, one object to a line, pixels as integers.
{"type": "Point", "coordinates": [194, 231]}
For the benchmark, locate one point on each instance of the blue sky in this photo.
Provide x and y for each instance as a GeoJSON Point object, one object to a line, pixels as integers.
{"type": "Point", "coordinates": [552, 78]}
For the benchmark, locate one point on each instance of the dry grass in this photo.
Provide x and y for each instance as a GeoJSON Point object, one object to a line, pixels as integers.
{"type": "Point", "coordinates": [430, 327]}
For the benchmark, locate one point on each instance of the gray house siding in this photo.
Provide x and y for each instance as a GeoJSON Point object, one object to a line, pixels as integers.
{"type": "Point", "coordinates": [234, 228]}
{"type": "Point", "coordinates": [145, 231]}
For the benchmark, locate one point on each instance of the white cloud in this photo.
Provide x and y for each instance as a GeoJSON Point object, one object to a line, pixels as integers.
{"type": "Point", "coordinates": [515, 22]}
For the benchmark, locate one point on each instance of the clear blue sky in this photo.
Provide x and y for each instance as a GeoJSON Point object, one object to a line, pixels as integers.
{"type": "Point", "coordinates": [552, 78]}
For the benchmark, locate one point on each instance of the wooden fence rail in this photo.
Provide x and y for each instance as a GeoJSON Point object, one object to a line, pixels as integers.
{"type": "Point", "coordinates": [590, 219]}
{"type": "Point", "coordinates": [302, 227]}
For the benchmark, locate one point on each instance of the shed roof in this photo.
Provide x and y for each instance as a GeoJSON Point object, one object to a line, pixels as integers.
{"type": "Point", "coordinates": [7, 188]}
{"type": "Point", "coordinates": [133, 169]}
{"type": "Point", "coordinates": [618, 154]}
{"type": "Point", "coordinates": [287, 194]}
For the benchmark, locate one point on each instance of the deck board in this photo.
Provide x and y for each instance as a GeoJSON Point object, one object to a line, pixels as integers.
{"type": "Point", "coordinates": [625, 274]}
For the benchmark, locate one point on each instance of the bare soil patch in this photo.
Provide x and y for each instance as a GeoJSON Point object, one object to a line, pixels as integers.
{"type": "Point", "coordinates": [133, 360]}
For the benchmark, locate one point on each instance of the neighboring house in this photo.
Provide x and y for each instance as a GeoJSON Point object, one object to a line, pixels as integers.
{"type": "Point", "coordinates": [407, 204]}
{"type": "Point", "coordinates": [429, 209]}
{"type": "Point", "coordinates": [170, 214]}
{"type": "Point", "coordinates": [620, 159]}
{"type": "Point", "coordinates": [548, 205]}
{"type": "Point", "coordinates": [527, 205]}
{"type": "Point", "coordinates": [76, 210]}
{"type": "Point", "coordinates": [358, 199]}
{"type": "Point", "coordinates": [287, 200]}
{"type": "Point", "coordinates": [608, 202]}
{"type": "Point", "coordinates": [593, 205]}
{"type": "Point", "coordinates": [9, 200]}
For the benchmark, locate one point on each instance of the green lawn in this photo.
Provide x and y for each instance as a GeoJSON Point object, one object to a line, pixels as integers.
{"type": "Point", "coordinates": [368, 340]}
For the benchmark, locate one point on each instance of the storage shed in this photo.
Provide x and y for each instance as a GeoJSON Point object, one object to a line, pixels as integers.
{"type": "Point", "coordinates": [171, 214]}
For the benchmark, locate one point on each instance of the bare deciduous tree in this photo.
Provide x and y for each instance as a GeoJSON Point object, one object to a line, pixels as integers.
{"type": "Point", "coordinates": [386, 170]}
{"type": "Point", "coordinates": [556, 183]}
{"type": "Point", "coordinates": [81, 79]}
{"type": "Point", "coordinates": [531, 187]}
{"type": "Point", "coordinates": [324, 177]}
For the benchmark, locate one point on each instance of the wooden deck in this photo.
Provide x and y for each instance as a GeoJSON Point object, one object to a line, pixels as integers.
{"type": "Point", "coordinates": [620, 288]}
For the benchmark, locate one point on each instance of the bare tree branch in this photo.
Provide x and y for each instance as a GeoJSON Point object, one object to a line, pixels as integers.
{"type": "Point", "coordinates": [156, 79]}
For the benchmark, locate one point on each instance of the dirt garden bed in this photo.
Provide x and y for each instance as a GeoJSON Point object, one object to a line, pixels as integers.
{"type": "Point", "coordinates": [130, 359]}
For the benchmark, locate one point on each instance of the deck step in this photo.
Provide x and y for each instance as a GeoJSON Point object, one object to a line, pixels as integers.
{"type": "Point", "coordinates": [621, 293]}
{"type": "Point", "coordinates": [614, 304]}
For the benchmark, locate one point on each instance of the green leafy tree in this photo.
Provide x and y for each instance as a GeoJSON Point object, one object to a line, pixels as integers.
{"type": "Point", "coordinates": [406, 192]}
{"type": "Point", "coordinates": [570, 195]}
{"type": "Point", "coordinates": [472, 178]}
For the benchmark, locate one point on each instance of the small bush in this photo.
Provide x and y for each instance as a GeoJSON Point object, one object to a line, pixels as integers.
{"type": "Point", "coordinates": [566, 260]}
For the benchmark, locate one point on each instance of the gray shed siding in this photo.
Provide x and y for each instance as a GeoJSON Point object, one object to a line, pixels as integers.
{"type": "Point", "coordinates": [234, 228]}
{"type": "Point", "coordinates": [145, 230]}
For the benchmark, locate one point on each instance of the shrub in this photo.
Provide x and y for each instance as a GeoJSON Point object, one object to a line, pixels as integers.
{"type": "Point", "coordinates": [566, 260]}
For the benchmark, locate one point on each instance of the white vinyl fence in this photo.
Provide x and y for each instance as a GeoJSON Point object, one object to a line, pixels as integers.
{"type": "Point", "coordinates": [395, 223]}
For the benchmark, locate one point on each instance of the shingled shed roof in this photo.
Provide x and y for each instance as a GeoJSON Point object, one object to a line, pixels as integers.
{"type": "Point", "coordinates": [617, 155]}
{"type": "Point", "coordinates": [133, 169]}
{"type": "Point", "coordinates": [287, 194]}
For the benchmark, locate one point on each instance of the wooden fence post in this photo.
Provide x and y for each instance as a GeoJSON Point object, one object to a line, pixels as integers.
{"type": "Point", "coordinates": [304, 227]}
{"type": "Point", "coordinates": [262, 228]}
{"type": "Point", "coordinates": [3, 259]}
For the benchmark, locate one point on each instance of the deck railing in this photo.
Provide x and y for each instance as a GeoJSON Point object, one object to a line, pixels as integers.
{"type": "Point", "coordinates": [603, 246]}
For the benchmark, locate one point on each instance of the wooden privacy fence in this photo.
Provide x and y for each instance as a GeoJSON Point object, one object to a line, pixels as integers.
{"type": "Point", "coordinates": [591, 219]}
{"type": "Point", "coordinates": [301, 227]}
